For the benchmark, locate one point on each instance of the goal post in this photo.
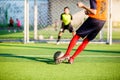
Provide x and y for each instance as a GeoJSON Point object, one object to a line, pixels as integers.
{"type": "Point", "coordinates": [109, 33]}
{"type": "Point", "coordinates": [26, 21]}
{"type": "Point", "coordinates": [35, 20]}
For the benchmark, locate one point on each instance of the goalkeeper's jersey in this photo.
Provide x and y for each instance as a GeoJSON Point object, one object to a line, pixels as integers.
{"type": "Point", "coordinates": [101, 8]}
{"type": "Point", "coordinates": [66, 18]}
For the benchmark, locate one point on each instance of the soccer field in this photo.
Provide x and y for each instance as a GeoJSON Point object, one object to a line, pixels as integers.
{"type": "Point", "coordinates": [35, 62]}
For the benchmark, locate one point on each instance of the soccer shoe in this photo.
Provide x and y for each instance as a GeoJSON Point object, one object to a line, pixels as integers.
{"type": "Point", "coordinates": [71, 60]}
{"type": "Point", "coordinates": [60, 60]}
{"type": "Point", "coordinates": [58, 43]}
{"type": "Point", "coordinates": [9, 31]}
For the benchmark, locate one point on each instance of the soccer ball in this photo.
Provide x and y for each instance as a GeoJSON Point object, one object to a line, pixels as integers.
{"type": "Point", "coordinates": [57, 55]}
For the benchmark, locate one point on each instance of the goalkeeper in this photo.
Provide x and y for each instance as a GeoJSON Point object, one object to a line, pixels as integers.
{"type": "Point", "coordinates": [66, 19]}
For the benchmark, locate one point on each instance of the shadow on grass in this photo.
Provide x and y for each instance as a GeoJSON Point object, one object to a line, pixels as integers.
{"type": "Point", "coordinates": [39, 59]}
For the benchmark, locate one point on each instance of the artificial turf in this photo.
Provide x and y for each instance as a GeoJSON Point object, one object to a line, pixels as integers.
{"type": "Point", "coordinates": [35, 62]}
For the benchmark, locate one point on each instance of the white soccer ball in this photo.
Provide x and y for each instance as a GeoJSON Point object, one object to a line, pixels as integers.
{"type": "Point", "coordinates": [57, 55]}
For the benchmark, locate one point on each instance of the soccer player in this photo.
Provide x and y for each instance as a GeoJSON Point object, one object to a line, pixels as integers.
{"type": "Point", "coordinates": [89, 29]}
{"type": "Point", "coordinates": [11, 24]}
{"type": "Point", "coordinates": [18, 24]}
{"type": "Point", "coordinates": [66, 19]}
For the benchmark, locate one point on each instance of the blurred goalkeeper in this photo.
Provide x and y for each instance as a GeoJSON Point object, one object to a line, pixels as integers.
{"type": "Point", "coordinates": [66, 19]}
{"type": "Point", "coordinates": [89, 29]}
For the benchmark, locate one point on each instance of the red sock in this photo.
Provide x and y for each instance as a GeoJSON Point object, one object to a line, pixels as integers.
{"type": "Point", "coordinates": [80, 48]}
{"type": "Point", "coordinates": [72, 44]}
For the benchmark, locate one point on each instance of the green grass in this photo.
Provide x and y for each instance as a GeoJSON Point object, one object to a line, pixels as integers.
{"type": "Point", "coordinates": [34, 62]}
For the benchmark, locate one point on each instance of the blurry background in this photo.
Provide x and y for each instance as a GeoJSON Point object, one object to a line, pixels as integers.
{"type": "Point", "coordinates": [48, 19]}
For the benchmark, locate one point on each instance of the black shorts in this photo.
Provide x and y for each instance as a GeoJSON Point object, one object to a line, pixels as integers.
{"type": "Point", "coordinates": [68, 27]}
{"type": "Point", "coordinates": [10, 25]}
{"type": "Point", "coordinates": [90, 28]}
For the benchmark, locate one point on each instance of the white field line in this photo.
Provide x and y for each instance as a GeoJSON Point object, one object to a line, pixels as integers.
{"type": "Point", "coordinates": [107, 56]}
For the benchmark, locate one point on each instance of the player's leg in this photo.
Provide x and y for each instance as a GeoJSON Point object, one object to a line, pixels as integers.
{"type": "Point", "coordinates": [60, 33]}
{"type": "Point", "coordinates": [59, 36]}
{"type": "Point", "coordinates": [71, 30]}
{"type": "Point", "coordinates": [80, 48]}
{"type": "Point", "coordinates": [12, 27]}
{"type": "Point", "coordinates": [8, 27]}
{"type": "Point", "coordinates": [72, 44]}
{"type": "Point", "coordinates": [69, 49]}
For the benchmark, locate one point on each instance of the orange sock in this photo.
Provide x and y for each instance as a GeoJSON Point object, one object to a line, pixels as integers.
{"type": "Point", "coordinates": [72, 44]}
{"type": "Point", "coordinates": [80, 48]}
